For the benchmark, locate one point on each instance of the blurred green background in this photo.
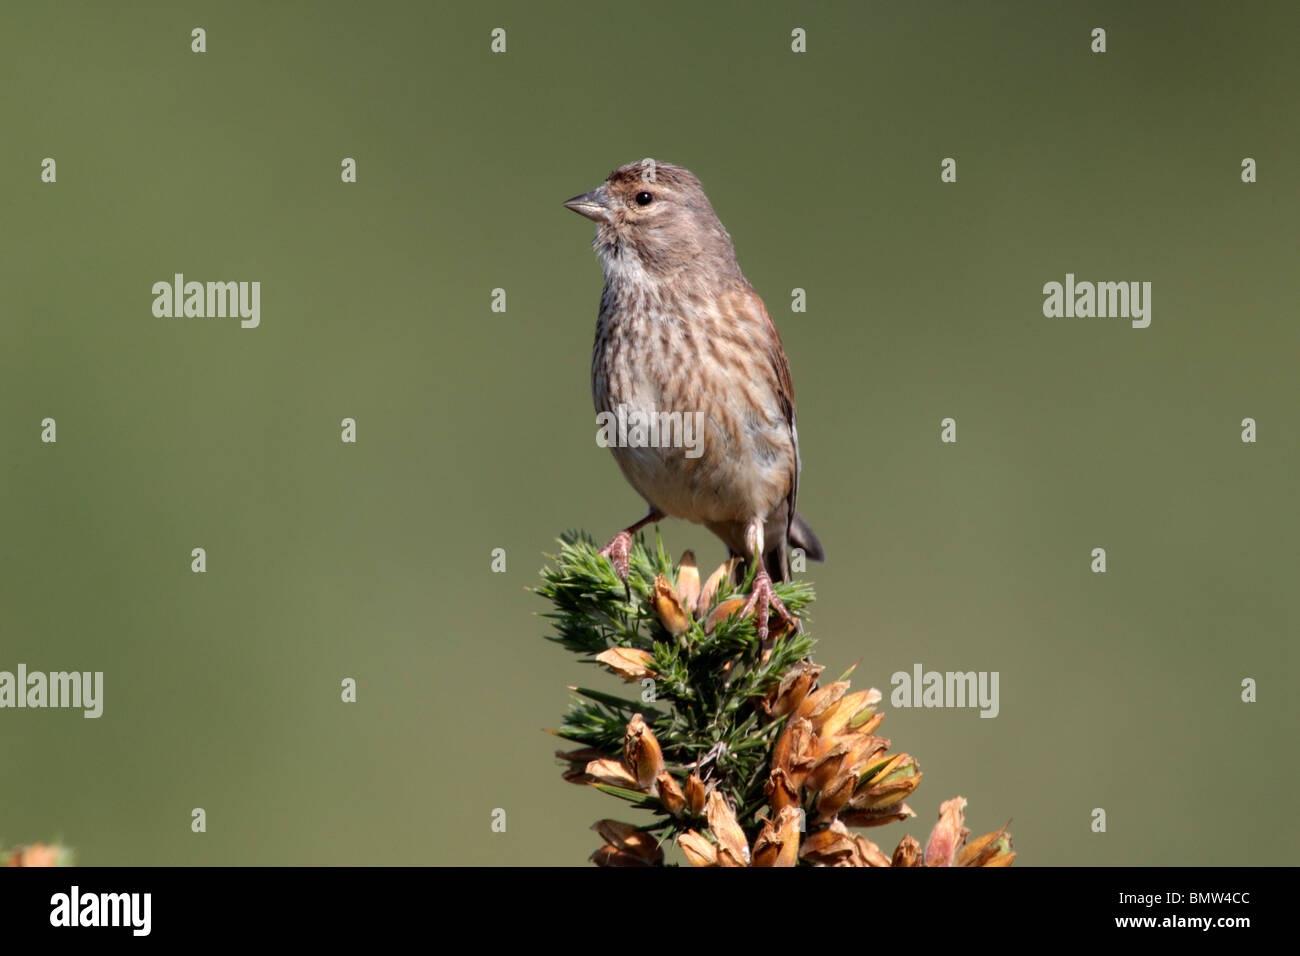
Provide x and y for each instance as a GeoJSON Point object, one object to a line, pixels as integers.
{"type": "Point", "coordinates": [475, 429]}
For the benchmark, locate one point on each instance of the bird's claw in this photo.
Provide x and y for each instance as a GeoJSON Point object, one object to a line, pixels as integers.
{"type": "Point", "coordinates": [761, 600]}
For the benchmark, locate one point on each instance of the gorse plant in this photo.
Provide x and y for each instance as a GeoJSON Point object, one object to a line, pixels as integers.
{"type": "Point", "coordinates": [740, 753]}
{"type": "Point", "coordinates": [37, 854]}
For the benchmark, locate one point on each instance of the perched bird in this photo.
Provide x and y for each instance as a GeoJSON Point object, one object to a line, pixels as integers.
{"type": "Point", "coordinates": [680, 330]}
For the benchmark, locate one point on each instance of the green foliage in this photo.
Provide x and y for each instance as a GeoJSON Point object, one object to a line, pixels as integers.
{"type": "Point", "coordinates": [706, 710]}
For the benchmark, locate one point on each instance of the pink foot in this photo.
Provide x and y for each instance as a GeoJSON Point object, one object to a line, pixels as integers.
{"type": "Point", "coordinates": [761, 600]}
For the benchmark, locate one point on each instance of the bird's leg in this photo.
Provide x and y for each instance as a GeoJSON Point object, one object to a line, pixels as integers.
{"type": "Point", "coordinates": [763, 597]}
{"type": "Point", "coordinates": [618, 550]}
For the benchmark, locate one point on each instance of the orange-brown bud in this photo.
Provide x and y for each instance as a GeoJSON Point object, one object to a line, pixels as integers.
{"type": "Point", "coordinates": [733, 848]}
{"type": "Point", "coordinates": [887, 786]}
{"type": "Point", "coordinates": [610, 771]}
{"type": "Point", "coordinates": [699, 850]}
{"type": "Point", "coordinates": [688, 582]}
{"type": "Point", "coordinates": [669, 609]}
{"type": "Point", "coordinates": [837, 718]}
{"type": "Point", "coordinates": [612, 856]}
{"type": "Point", "coordinates": [629, 663]}
{"type": "Point", "coordinates": [794, 687]}
{"type": "Point", "coordinates": [641, 753]}
{"type": "Point", "coordinates": [818, 701]}
{"type": "Point", "coordinates": [778, 843]}
{"type": "Point", "coordinates": [766, 846]}
{"type": "Point", "coordinates": [627, 841]}
{"type": "Point", "coordinates": [828, 847]}
{"type": "Point", "coordinates": [866, 853]}
{"type": "Point", "coordinates": [863, 751]}
{"type": "Point", "coordinates": [696, 794]}
{"type": "Point", "coordinates": [712, 586]}
{"type": "Point", "coordinates": [781, 793]}
{"type": "Point", "coordinates": [908, 852]}
{"type": "Point", "coordinates": [789, 824]}
{"type": "Point", "coordinates": [836, 794]}
{"type": "Point", "coordinates": [988, 850]}
{"type": "Point", "coordinates": [794, 748]}
{"type": "Point", "coordinates": [826, 768]}
{"type": "Point", "coordinates": [869, 725]}
{"type": "Point", "coordinates": [670, 794]}
{"type": "Point", "coordinates": [875, 818]}
{"type": "Point", "coordinates": [721, 613]}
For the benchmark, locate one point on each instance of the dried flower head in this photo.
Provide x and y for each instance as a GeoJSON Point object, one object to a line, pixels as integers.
{"type": "Point", "coordinates": [741, 754]}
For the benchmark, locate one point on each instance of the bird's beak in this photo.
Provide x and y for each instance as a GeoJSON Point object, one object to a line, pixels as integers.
{"type": "Point", "coordinates": [593, 205]}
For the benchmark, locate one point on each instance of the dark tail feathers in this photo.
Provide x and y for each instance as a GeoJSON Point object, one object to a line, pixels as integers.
{"type": "Point", "coordinates": [777, 560]}
{"type": "Point", "coordinates": [801, 536]}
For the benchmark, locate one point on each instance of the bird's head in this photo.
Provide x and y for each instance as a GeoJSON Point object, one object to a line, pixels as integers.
{"type": "Point", "coordinates": [652, 221]}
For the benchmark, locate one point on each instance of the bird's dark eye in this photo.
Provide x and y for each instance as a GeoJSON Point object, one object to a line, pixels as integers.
{"type": "Point", "coordinates": [644, 199]}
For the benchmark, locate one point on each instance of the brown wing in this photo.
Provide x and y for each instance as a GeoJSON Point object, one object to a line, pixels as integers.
{"type": "Point", "coordinates": [785, 389]}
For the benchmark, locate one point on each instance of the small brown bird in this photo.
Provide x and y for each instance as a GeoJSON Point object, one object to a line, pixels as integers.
{"type": "Point", "coordinates": [682, 333]}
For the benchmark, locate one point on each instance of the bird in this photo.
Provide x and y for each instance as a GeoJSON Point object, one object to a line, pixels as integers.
{"type": "Point", "coordinates": [681, 330]}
